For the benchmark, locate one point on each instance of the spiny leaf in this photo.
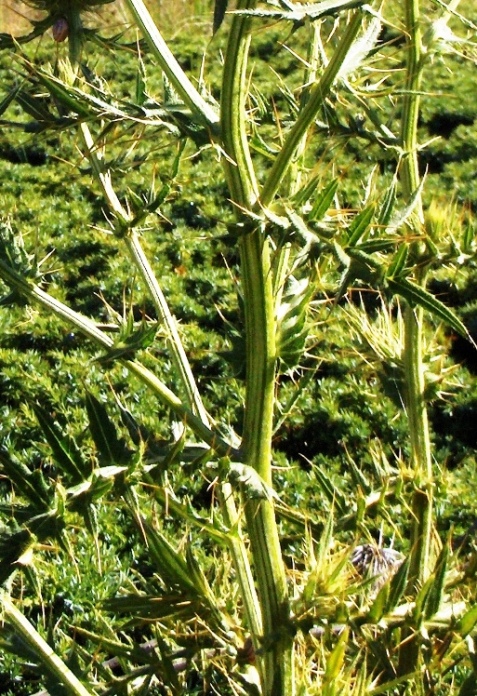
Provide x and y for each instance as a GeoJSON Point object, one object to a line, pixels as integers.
{"type": "Point", "coordinates": [312, 11]}
{"type": "Point", "coordinates": [13, 252]}
{"type": "Point", "coordinates": [401, 216]}
{"type": "Point", "coordinates": [30, 484]}
{"type": "Point", "coordinates": [129, 342]}
{"type": "Point", "coordinates": [292, 329]}
{"type": "Point", "coordinates": [111, 448]}
{"type": "Point", "coordinates": [64, 95]}
{"type": "Point", "coordinates": [360, 225]}
{"type": "Point", "coordinates": [387, 207]}
{"type": "Point", "coordinates": [323, 202]}
{"type": "Point", "coordinates": [435, 596]}
{"type": "Point", "coordinates": [378, 608]}
{"type": "Point", "coordinates": [171, 566]}
{"type": "Point", "coordinates": [156, 608]}
{"type": "Point", "coordinates": [35, 106]}
{"type": "Point", "coordinates": [7, 100]}
{"type": "Point", "coordinates": [65, 453]}
{"type": "Point", "coordinates": [360, 480]}
{"type": "Point", "coordinates": [467, 622]}
{"type": "Point", "coordinates": [13, 545]}
{"type": "Point", "coordinates": [16, 547]}
{"type": "Point", "coordinates": [416, 295]}
{"type": "Point", "coordinates": [304, 194]}
{"type": "Point", "coordinates": [398, 585]}
{"type": "Point", "coordinates": [421, 601]}
{"type": "Point", "coordinates": [398, 262]}
{"type": "Point", "coordinates": [335, 497]}
{"type": "Point", "coordinates": [220, 8]}
{"type": "Point", "coordinates": [336, 659]}
{"type": "Point", "coordinates": [207, 596]}
{"type": "Point", "coordinates": [253, 486]}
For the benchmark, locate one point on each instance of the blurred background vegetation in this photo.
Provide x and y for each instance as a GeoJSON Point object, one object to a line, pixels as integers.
{"type": "Point", "coordinates": [171, 15]}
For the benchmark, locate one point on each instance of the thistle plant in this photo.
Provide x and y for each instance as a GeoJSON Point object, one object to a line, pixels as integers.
{"type": "Point", "coordinates": [65, 19]}
{"type": "Point", "coordinates": [293, 240]}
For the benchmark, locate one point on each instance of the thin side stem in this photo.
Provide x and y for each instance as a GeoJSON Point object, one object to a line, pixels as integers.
{"type": "Point", "coordinates": [45, 654]}
{"type": "Point", "coordinates": [141, 262]}
{"type": "Point", "coordinates": [241, 562]}
{"type": "Point", "coordinates": [317, 96]}
{"type": "Point", "coordinates": [294, 177]}
{"type": "Point", "coordinates": [168, 63]}
{"type": "Point", "coordinates": [181, 362]}
{"type": "Point", "coordinates": [86, 326]}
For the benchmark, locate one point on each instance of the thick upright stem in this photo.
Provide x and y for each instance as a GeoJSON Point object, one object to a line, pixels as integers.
{"type": "Point", "coordinates": [421, 529]}
{"type": "Point", "coordinates": [276, 644]}
{"type": "Point", "coordinates": [420, 448]}
{"type": "Point", "coordinates": [257, 436]}
{"type": "Point", "coordinates": [414, 369]}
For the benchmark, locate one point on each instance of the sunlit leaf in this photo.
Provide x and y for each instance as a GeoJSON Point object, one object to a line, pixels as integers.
{"type": "Point", "coordinates": [467, 622]}
{"type": "Point", "coordinates": [360, 226]}
{"type": "Point", "coordinates": [416, 295]}
{"type": "Point", "coordinates": [436, 593]}
{"type": "Point", "coordinates": [111, 448]}
{"type": "Point", "coordinates": [65, 452]}
{"type": "Point", "coordinates": [324, 201]}
{"type": "Point", "coordinates": [378, 607]}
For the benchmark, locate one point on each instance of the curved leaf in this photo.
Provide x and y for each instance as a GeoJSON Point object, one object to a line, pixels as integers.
{"type": "Point", "coordinates": [416, 295]}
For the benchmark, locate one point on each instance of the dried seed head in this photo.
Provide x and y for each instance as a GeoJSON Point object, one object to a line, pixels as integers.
{"type": "Point", "coordinates": [60, 30]}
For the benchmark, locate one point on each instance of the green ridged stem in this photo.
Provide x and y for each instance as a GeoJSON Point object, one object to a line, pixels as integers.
{"type": "Point", "coordinates": [239, 169]}
{"type": "Point", "coordinates": [276, 643]}
{"type": "Point", "coordinates": [413, 318]}
{"type": "Point", "coordinates": [414, 374]}
{"type": "Point", "coordinates": [168, 63]}
{"type": "Point", "coordinates": [316, 98]}
{"type": "Point", "coordinates": [40, 648]}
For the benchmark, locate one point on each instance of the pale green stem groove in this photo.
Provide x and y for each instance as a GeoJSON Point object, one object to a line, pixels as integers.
{"type": "Point", "coordinates": [49, 659]}
{"type": "Point", "coordinates": [420, 446]}
{"type": "Point", "coordinates": [414, 368]}
{"type": "Point", "coordinates": [240, 173]}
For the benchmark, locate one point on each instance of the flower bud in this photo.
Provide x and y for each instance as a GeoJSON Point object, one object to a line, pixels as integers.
{"type": "Point", "coordinates": [60, 29]}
